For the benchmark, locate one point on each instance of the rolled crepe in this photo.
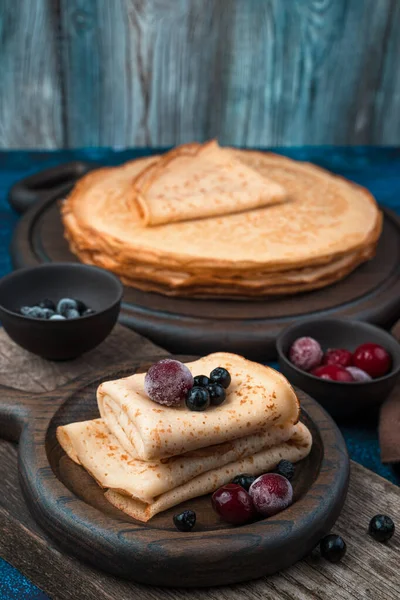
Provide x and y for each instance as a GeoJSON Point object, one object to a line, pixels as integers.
{"type": "Point", "coordinates": [91, 445]}
{"type": "Point", "coordinates": [258, 398]}
{"type": "Point", "coordinates": [198, 181]}
{"type": "Point", "coordinates": [297, 448]}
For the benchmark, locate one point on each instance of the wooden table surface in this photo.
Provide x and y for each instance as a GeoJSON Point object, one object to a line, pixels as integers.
{"type": "Point", "coordinates": [369, 569]}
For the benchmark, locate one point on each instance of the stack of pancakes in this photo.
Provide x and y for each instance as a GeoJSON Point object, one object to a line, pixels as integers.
{"type": "Point", "coordinates": [204, 221]}
{"type": "Point", "coordinates": [149, 457]}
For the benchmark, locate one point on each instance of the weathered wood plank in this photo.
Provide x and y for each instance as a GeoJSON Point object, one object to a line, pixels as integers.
{"type": "Point", "coordinates": [24, 371]}
{"type": "Point", "coordinates": [30, 90]}
{"type": "Point", "coordinates": [304, 72]}
{"type": "Point", "coordinates": [251, 73]}
{"type": "Point", "coordinates": [155, 72]}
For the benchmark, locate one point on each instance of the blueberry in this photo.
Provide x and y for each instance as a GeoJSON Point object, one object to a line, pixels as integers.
{"type": "Point", "coordinates": [221, 376]}
{"type": "Point", "coordinates": [57, 318]}
{"type": "Point", "coordinates": [201, 380]}
{"type": "Point", "coordinates": [285, 468]}
{"type": "Point", "coordinates": [217, 393]}
{"type": "Point", "coordinates": [198, 398]}
{"type": "Point", "coordinates": [81, 306]}
{"type": "Point", "coordinates": [71, 313]}
{"type": "Point", "coordinates": [381, 528]}
{"type": "Point", "coordinates": [244, 480]}
{"type": "Point", "coordinates": [87, 312]}
{"type": "Point", "coordinates": [185, 521]}
{"type": "Point", "coordinates": [332, 548]}
{"type": "Point", "coordinates": [34, 312]}
{"type": "Point", "coordinates": [66, 304]}
{"type": "Point", "coordinates": [46, 303]}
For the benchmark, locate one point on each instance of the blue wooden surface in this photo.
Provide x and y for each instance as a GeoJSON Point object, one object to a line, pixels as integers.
{"type": "Point", "coordinates": [376, 168]}
{"type": "Point", "coordinates": [160, 72]}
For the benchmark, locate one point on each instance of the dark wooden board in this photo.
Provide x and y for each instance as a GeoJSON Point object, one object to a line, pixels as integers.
{"type": "Point", "coordinates": [250, 328]}
{"type": "Point", "coordinates": [71, 508]}
{"type": "Point", "coordinates": [369, 569]}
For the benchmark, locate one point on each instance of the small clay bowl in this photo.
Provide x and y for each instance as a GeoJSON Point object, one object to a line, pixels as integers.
{"type": "Point", "coordinates": [341, 400]}
{"type": "Point", "coordinates": [60, 340]}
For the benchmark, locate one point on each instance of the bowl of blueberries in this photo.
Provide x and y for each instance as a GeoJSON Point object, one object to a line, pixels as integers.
{"type": "Point", "coordinates": [348, 366]}
{"type": "Point", "coordinates": [59, 310]}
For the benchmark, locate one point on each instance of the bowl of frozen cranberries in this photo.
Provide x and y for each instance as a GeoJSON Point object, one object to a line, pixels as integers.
{"type": "Point", "coordinates": [348, 366]}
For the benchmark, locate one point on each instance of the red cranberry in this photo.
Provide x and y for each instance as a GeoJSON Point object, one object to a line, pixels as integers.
{"type": "Point", "coordinates": [305, 353]}
{"type": "Point", "coordinates": [333, 373]}
{"type": "Point", "coordinates": [233, 504]}
{"type": "Point", "coordinates": [338, 356]}
{"type": "Point", "coordinates": [168, 381]}
{"type": "Point", "coordinates": [271, 493]}
{"type": "Point", "coordinates": [373, 359]}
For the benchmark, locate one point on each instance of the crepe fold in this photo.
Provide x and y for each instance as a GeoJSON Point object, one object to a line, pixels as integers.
{"type": "Point", "coordinates": [257, 399]}
{"type": "Point", "coordinates": [92, 445]}
{"type": "Point", "coordinates": [295, 449]}
{"type": "Point", "coordinates": [197, 181]}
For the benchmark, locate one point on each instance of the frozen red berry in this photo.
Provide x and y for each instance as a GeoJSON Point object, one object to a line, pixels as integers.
{"type": "Point", "coordinates": [271, 493]}
{"type": "Point", "coordinates": [168, 381]}
{"type": "Point", "coordinates": [358, 374]}
{"type": "Point", "coordinates": [373, 359]}
{"type": "Point", "coordinates": [332, 372]}
{"type": "Point", "coordinates": [233, 504]}
{"type": "Point", "coordinates": [305, 353]}
{"type": "Point", "coordinates": [338, 356]}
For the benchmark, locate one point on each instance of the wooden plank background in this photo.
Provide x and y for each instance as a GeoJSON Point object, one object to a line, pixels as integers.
{"type": "Point", "coordinates": [161, 72]}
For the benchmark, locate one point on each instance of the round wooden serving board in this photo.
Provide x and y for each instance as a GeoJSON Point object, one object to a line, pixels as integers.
{"type": "Point", "coordinates": [71, 507]}
{"type": "Point", "coordinates": [249, 328]}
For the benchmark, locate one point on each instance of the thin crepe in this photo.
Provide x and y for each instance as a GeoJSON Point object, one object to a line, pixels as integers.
{"type": "Point", "coordinates": [198, 181]}
{"type": "Point", "coordinates": [295, 449]}
{"type": "Point", "coordinates": [258, 398]}
{"type": "Point", "coordinates": [328, 224]}
{"type": "Point", "coordinates": [92, 445]}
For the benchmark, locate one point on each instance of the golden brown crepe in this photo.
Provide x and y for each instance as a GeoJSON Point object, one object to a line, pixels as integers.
{"type": "Point", "coordinates": [194, 182]}
{"type": "Point", "coordinates": [295, 449]}
{"type": "Point", "coordinates": [257, 398]}
{"type": "Point", "coordinates": [327, 227]}
{"type": "Point", "coordinates": [92, 445]}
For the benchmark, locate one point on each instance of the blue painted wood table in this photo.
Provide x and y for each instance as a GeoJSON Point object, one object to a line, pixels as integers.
{"type": "Point", "coordinates": [378, 169]}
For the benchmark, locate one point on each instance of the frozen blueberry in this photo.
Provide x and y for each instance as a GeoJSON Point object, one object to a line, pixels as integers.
{"type": "Point", "coordinates": [87, 312]}
{"type": "Point", "coordinates": [217, 393]}
{"type": "Point", "coordinates": [81, 306]}
{"type": "Point", "coordinates": [221, 376]}
{"type": "Point", "coordinates": [185, 521]}
{"type": "Point", "coordinates": [46, 303]}
{"type": "Point", "coordinates": [66, 304]}
{"type": "Point", "coordinates": [201, 381]}
{"type": "Point", "coordinates": [56, 317]}
{"type": "Point", "coordinates": [381, 528]}
{"type": "Point", "coordinates": [34, 312]}
{"type": "Point", "coordinates": [71, 313]}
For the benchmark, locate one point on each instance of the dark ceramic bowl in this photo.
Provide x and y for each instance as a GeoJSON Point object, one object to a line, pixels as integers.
{"type": "Point", "coordinates": [341, 400]}
{"type": "Point", "coordinates": [60, 340]}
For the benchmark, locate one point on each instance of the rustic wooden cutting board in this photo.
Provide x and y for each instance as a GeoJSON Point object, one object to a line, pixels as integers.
{"type": "Point", "coordinates": [368, 570]}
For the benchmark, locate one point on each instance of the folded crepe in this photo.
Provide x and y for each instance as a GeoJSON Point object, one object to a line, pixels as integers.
{"type": "Point", "coordinates": [295, 449]}
{"type": "Point", "coordinates": [197, 181]}
{"type": "Point", "coordinates": [92, 445]}
{"type": "Point", "coordinates": [258, 398]}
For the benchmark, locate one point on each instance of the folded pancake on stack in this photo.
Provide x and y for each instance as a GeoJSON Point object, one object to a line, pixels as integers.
{"type": "Point", "coordinates": [206, 221]}
{"type": "Point", "coordinates": [150, 457]}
